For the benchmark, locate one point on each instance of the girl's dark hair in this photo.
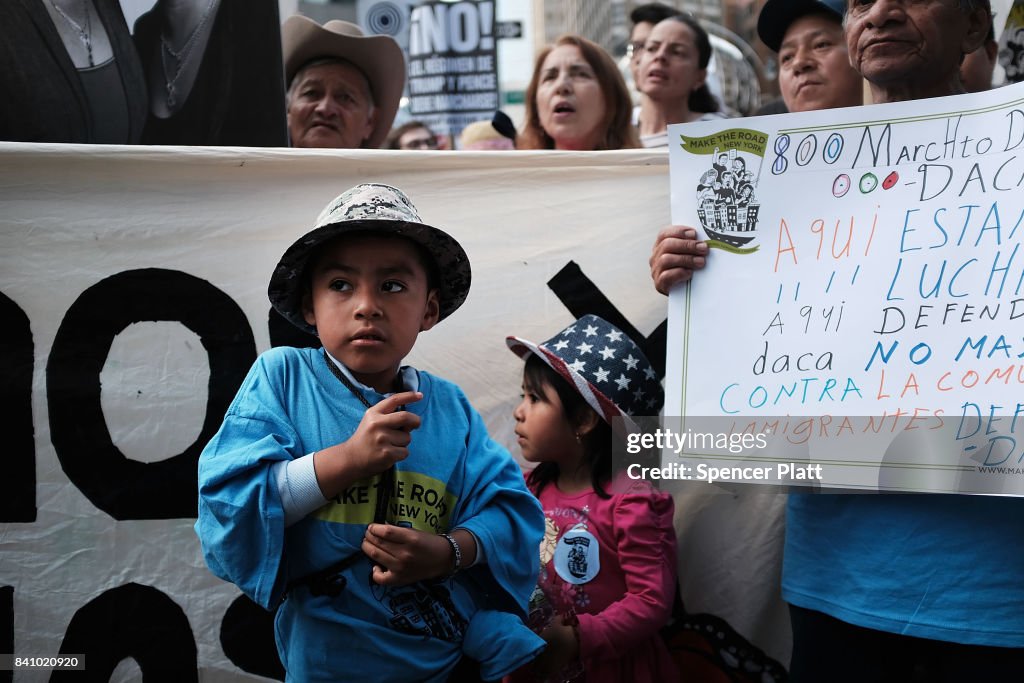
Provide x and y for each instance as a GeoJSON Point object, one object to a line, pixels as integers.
{"type": "Point", "coordinates": [597, 443]}
{"type": "Point", "coordinates": [700, 99]}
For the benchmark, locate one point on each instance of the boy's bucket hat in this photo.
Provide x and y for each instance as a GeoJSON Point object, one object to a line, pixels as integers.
{"type": "Point", "coordinates": [370, 207]}
{"type": "Point", "coordinates": [603, 364]}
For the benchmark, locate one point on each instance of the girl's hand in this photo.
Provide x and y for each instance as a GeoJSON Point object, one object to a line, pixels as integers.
{"type": "Point", "coordinates": [563, 648]}
{"type": "Point", "coordinates": [405, 556]}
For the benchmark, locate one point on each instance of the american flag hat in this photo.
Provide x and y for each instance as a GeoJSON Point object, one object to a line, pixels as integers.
{"type": "Point", "coordinates": [603, 364]}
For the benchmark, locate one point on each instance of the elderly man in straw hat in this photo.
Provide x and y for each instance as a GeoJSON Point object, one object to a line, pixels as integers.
{"type": "Point", "coordinates": [343, 86]}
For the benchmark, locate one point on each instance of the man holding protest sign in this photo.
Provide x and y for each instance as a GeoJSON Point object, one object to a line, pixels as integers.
{"type": "Point", "coordinates": [815, 73]}
{"type": "Point", "coordinates": [907, 576]}
{"type": "Point", "coordinates": [897, 587]}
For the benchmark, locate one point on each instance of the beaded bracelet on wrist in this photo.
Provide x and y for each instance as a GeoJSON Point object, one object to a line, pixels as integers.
{"type": "Point", "coordinates": [457, 565]}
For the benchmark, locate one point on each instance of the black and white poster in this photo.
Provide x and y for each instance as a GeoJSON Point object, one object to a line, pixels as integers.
{"type": "Point", "coordinates": [453, 70]}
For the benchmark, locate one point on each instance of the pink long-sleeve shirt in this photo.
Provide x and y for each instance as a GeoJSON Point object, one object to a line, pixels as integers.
{"type": "Point", "coordinates": [622, 607]}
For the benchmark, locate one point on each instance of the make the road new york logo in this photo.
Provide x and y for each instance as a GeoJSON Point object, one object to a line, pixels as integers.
{"type": "Point", "coordinates": [727, 203]}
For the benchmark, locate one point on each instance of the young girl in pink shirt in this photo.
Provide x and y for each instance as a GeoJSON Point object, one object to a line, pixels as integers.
{"type": "Point", "coordinates": [608, 558]}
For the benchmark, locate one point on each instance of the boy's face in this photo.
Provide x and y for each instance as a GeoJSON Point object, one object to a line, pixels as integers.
{"type": "Point", "coordinates": [368, 300]}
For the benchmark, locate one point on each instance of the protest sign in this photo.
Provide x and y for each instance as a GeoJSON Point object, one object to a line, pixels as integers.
{"type": "Point", "coordinates": [453, 71]}
{"type": "Point", "coordinates": [865, 265]}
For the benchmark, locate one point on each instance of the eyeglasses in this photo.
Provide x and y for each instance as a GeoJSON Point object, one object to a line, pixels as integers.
{"type": "Point", "coordinates": [421, 143]}
{"type": "Point", "coordinates": [634, 48]}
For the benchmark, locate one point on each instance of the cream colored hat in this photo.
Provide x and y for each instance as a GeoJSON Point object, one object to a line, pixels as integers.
{"type": "Point", "coordinates": [378, 57]}
{"type": "Point", "coordinates": [481, 135]}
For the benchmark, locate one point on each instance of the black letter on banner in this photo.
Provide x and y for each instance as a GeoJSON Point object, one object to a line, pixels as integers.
{"type": "Point", "coordinates": [133, 621]}
{"type": "Point", "coordinates": [18, 483]}
{"type": "Point", "coordinates": [247, 638]}
{"type": "Point", "coordinates": [582, 297]}
{"type": "Point", "coordinates": [6, 627]}
{"type": "Point", "coordinates": [123, 488]}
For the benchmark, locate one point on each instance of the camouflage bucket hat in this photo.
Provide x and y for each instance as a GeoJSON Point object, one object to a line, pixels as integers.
{"type": "Point", "coordinates": [370, 207]}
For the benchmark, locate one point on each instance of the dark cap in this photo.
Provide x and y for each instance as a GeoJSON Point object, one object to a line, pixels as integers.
{"type": "Point", "coordinates": [777, 16]}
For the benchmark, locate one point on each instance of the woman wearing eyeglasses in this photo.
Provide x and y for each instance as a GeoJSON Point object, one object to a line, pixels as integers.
{"type": "Point", "coordinates": [412, 135]}
{"type": "Point", "coordinates": [673, 68]}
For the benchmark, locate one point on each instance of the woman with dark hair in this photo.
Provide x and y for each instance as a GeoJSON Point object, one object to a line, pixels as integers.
{"type": "Point", "coordinates": [673, 69]}
{"type": "Point", "coordinates": [577, 100]}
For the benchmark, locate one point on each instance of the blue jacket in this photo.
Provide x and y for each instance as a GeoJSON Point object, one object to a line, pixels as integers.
{"type": "Point", "coordinates": [455, 476]}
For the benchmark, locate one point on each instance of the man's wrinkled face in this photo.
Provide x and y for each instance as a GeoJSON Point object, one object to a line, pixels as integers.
{"type": "Point", "coordinates": [909, 41]}
{"type": "Point", "coordinates": [330, 105]}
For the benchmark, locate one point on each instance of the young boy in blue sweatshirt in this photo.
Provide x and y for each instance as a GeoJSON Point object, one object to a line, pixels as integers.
{"type": "Point", "coordinates": [363, 497]}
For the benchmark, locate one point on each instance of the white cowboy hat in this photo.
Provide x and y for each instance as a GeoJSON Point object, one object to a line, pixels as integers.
{"type": "Point", "coordinates": [378, 57]}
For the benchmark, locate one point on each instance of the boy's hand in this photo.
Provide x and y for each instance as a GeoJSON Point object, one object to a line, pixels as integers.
{"type": "Point", "coordinates": [563, 648]}
{"type": "Point", "coordinates": [381, 440]}
{"type": "Point", "coordinates": [403, 556]}
{"type": "Point", "coordinates": [383, 435]}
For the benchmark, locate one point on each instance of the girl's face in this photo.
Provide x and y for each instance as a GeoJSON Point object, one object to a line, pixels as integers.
{"type": "Point", "coordinates": [542, 429]}
{"type": "Point", "coordinates": [570, 103]}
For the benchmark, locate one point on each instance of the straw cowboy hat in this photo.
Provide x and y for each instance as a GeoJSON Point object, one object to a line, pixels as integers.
{"type": "Point", "coordinates": [378, 57]}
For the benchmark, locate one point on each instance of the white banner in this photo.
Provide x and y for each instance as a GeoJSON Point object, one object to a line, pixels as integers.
{"type": "Point", "coordinates": [864, 301]}
{"type": "Point", "coordinates": [134, 300]}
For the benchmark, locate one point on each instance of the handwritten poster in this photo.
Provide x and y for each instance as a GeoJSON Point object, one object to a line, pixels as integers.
{"type": "Point", "coordinates": [863, 305]}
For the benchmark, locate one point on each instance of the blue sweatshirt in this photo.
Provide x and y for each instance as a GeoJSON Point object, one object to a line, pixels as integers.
{"type": "Point", "coordinates": [455, 476]}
